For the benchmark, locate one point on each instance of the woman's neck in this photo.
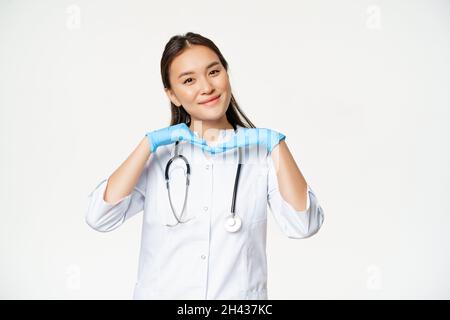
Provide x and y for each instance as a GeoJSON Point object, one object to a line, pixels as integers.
{"type": "Point", "coordinates": [208, 130]}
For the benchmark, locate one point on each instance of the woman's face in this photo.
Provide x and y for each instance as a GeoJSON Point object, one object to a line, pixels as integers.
{"type": "Point", "coordinates": [197, 75]}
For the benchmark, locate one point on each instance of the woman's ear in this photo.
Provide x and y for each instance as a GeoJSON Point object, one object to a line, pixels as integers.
{"type": "Point", "coordinates": [172, 97]}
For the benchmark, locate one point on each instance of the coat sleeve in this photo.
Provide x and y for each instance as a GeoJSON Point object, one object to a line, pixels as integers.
{"type": "Point", "coordinates": [105, 216]}
{"type": "Point", "coordinates": [294, 224]}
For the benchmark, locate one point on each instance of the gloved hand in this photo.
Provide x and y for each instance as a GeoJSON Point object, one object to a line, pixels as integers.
{"type": "Point", "coordinates": [164, 136]}
{"type": "Point", "coordinates": [267, 137]}
{"type": "Point", "coordinates": [246, 137]}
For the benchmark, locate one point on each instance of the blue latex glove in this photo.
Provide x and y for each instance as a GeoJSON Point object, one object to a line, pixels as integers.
{"type": "Point", "coordinates": [168, 135]}
{"type": "Point", "coordinates": [245, 137]}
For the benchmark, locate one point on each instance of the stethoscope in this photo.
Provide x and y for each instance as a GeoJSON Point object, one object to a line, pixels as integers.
{"type": "Point", "coordinates": [232, 222]}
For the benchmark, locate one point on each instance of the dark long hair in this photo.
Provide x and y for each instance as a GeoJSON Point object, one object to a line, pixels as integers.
{"type": "Point", "coordinates": [176, 45]}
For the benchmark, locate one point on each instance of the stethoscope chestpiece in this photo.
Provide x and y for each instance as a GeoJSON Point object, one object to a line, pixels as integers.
{"type": "Point", "coordinates": [233, 223]}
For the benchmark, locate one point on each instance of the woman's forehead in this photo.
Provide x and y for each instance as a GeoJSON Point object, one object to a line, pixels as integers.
{"type": "Point", "coordinates": [195, 58]}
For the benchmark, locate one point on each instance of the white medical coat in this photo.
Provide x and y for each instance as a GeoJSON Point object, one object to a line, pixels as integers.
{"type": "Point", "coordinates": [199, 259]}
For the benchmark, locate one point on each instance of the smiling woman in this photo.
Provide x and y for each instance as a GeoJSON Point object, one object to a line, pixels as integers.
{"type": "Point", "coordinates": [205, 216]}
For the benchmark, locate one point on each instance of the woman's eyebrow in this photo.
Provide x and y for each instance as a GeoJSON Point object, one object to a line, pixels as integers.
{"type": "Point", "coordinates": [191, 72]}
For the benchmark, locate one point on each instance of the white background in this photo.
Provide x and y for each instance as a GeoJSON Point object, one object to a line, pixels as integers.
{"type": "Point", "coordinates": [361, 89]}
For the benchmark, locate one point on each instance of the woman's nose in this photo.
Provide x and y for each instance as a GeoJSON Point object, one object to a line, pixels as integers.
{"type": "Point", "coordinates": [206, 86]}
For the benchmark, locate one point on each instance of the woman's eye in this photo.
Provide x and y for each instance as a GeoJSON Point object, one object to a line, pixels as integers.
{"type": "Point", "coordinates": [186, 81]}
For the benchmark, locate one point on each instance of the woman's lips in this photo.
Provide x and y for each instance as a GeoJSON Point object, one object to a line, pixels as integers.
{"type": "Point", "coordinates": [212, 102]}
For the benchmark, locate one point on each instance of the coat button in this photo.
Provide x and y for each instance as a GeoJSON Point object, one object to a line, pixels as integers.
{"type": "Point", "coordinates": [203, 257]}
{"type": "Point", "coordinates": [207, 167]}
{"type": "Point", "coordinates": [205, 208]}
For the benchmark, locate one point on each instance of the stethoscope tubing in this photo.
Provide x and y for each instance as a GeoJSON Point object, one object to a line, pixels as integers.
{"type": "Point", "coordinates": [188, 173]}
